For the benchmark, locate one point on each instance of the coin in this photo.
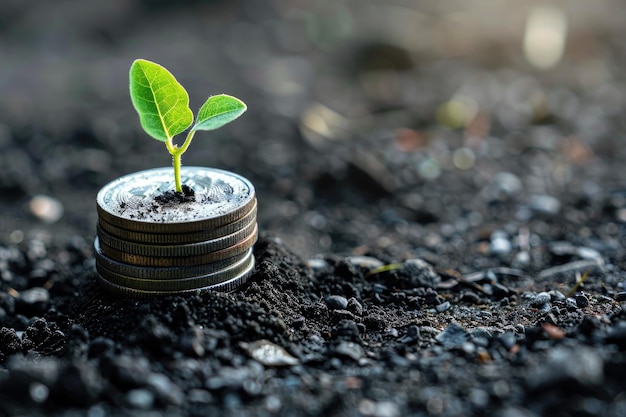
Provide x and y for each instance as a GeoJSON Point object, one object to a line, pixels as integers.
{"type": "Point", "coordinates": [151, 241]}
{"type": "Point", "coordinates": [179, 238]}
{"type": "Point", "coordinates": [189, 249]}
{"type": "Point", "coordinates": [201, 281]}
{"type": "Point", "coordinates": [134, 271]}
{"type": "Point", "coordinates": [226, 286]}
{"type": "Point", "coordinates": [152, 261]}
{"type": "Point", "coordinates": [220, 198]}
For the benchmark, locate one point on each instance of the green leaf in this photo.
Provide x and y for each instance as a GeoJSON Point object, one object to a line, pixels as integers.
{"type": "Point", "coordinates": [218, 111]}
{"type": "Point", "coordinates": [162, 103]}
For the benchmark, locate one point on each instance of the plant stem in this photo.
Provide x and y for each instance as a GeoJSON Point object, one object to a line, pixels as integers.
{"type": "Point", "coordinates": [176, 153]}
{"type": "Point", "coordinates": [176, 161]}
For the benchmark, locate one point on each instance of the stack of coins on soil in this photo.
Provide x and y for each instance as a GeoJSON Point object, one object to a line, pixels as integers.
{"type": "Point", "coordinates": [152, 241]}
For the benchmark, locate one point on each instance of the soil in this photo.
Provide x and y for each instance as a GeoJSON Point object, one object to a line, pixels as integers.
{"type": "Point", "coordinates": [172, 197]}
{"type": "Point", "coordinates": [442, 224]}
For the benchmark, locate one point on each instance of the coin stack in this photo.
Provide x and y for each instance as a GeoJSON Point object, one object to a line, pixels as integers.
{"type": "Point", "coordinates": [151, 241]}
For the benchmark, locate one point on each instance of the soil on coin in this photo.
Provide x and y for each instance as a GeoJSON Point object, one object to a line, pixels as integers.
{"type": "Point", "coordinates": [443, 225]}
{"type": "Point", "coordinates": [172, 198]}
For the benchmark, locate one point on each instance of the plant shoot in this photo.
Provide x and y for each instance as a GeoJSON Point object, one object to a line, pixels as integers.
{"type": "Point", "coordinates": [163, 107]}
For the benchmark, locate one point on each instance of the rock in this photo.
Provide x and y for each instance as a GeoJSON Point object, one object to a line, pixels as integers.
{"type": "Point", "coordinates": [140, 398]}
{"type": "Point", "coordinates": [350, 350]}
{"type": "Point", "coordinates": [571, 303]}
{"type": "Point", "coordinates": [99, 347]}
{"type": "Point", "coordinates": [470, 297]}
{"type": "Point", "coordinates": [521, 259]}
{"type": "Point", "coordinates": [201, 396]}
{"type": "Point", "coordinates": [354, 306]}
{"type": "Point", "coordinates": [38, 392]}
{"type": "Point", "coordinates": [268, 353]}
{"type": "Point", "coordinates": [507, 182]}
{"type": "Point", "coordinates": [452, 337]}
{"type": "Point", "coordinates": [499, 291]}
{"type": "Point", "coordinates": [581, 365]}
{"type": "Point", "coordinates": [128, 372]}
{"type": "Point", "coordinates": [419, 273]}
{"type": "Point", "coordinates": [500, 243]}
{"type": "Point", "coordinates": [10, 343]}
{"type": "Point", "coordinates": [411, 336]}
{"type": "Point", "coordinates": [617, 335]}
{"type": "Point", "coordinates": [507, 340]}
{"type": "Point", "coordinates": [39, 335]}
{"type": "Point", "coordinates": [192, 342]}
{"type": "Point", "coordinates": [581, 301]}
{"type": "Point", "coordinates": [336, 302]}
{"type": "Point", "coordinates": [347, 330]}
{"type": "Point", "coordinates": [166, 391]}
{"type": "Point", "coordinates": [317, 264]}
{"type": "Point", "coordinates": [79, 384]}
{"type": "Point", "coordinates": [365, 262]}
{"type": "Point", "coordinates": [27, 376]}
{"type": "Point", "coordinates": [541, 299]}
{"type": "Point", "coordinates": [515, 412]}
{"type": "Point", "coordinates": [545, 204]}
{"type": "Point", "coordinates": [32, 302]}
{"type": "Point", "coordinates": [443, 306]}
{"type": "Point", "coordinates": [556, 295]}
{"type": "Point", "coordinates": [47, 209]}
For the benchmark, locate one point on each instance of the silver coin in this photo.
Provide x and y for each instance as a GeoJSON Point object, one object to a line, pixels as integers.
{"type": "Point", "coordinates": [143, 272]}
{"type": "Point", "coordinates": [189, 249]}
{"type": "Point", "coordinates": [220, 197]}
{"type": "Point", "coordinates": [179, 238]}
{"type": "Point", "coordinates": [165, 262]}
{"type": "Point", "coordinates": [177, 284]}
{"type": "Point", "coordinates": [226, 286]}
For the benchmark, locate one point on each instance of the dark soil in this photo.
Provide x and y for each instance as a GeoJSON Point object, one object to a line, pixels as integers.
{"type": "Point", "coordinates": [443, 225]}
{"type": "Point", "coordinates": [172, 197]}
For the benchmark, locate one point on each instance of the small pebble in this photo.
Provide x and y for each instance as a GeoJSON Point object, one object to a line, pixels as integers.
{"type": "Point", "coordinates": [507, 182]}
{"type": "Point", "coordinates": [47, 209]}
{"type": "Point", "coordinates": [470, 297]}
{"type": "Point", "coordinates": [349, 349]}
{"type": "Point", "coordinates": [38, 392]}
{"type": "Point", "coordinates": [541, 299]}
{"type": "Point", "coordinates": [140, 398]}
{"type": "Point", "coordinates": [499, 290]}
{"type": "Point", "coordinates": [620, 296]}
{"type": "Point", "coordinates": [336, 302]}
{"type": "Point", "coordinates": [571, 303]}
{"type": "Point", "coordinates": [317, 264]}
{"type": "Point", "coordinates": [443, 307]}
{"type": "Point", "coordinates": [268, 353]}
{"type": "Point", "coordinates": [582, 365]}
{"type": "Point", "coordinates": [354, 306]}
{"type": "Point", "coordinates": [166, 391]}
{"type": "Point", "coordinates": [33, 301]}
{"type": "Point", "coordinates": [556, 295]}
{"type": "Point", "coordinates": [199, 396]}
{"type": "Point", "coordinates": [365, 262]}
{"type": "Point", "coordinates": [545, 204]}
{"type": "Point", "coordinates": [420, 273]}
{"type": "Point", "coordinates": [452, 337]}
{"type": "Point", "coordinates": [521, 259]}
{"type": "Point", "coordinates": [500, 243]}
{"type": "Point", "coordinates": [582, 301]}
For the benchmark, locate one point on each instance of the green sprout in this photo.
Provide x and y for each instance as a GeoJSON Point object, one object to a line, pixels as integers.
{"type": "Point", "coordinates": [163, 108]}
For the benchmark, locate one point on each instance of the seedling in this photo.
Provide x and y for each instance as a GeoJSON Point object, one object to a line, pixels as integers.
{"type": "Point", "coordinates": [163, 107]}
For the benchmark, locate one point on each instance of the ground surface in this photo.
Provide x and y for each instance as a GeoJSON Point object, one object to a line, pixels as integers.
{"type": "Point", "coordinates": [428, 202]}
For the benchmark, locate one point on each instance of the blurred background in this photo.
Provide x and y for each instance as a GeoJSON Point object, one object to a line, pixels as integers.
{"type": "Point", "coordinates": [396, 126]}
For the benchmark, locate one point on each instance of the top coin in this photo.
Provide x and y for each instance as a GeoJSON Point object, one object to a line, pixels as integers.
{"type": "Point", "coordinates": [139, 201]}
